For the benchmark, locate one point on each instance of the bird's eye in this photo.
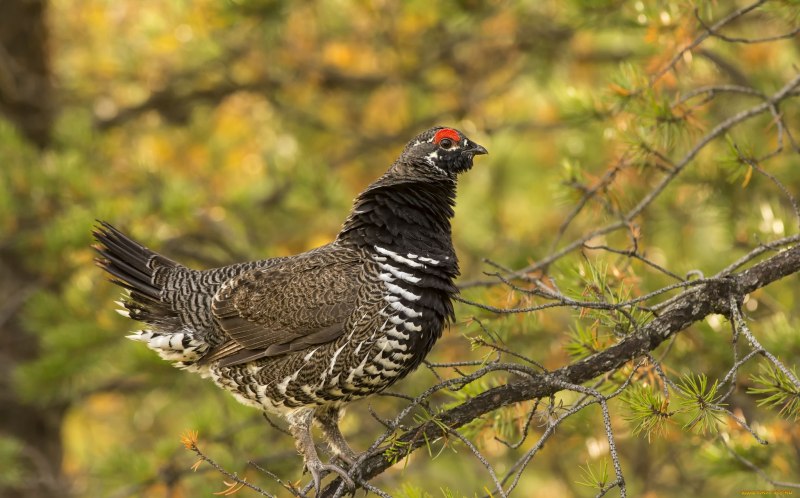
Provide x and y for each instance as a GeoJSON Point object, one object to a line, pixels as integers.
{"type": "Point", "coordinates": [446, 143]}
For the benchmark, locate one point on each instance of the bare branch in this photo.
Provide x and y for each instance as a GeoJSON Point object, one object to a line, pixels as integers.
{"type": "Point", "coordinates": [717, 131]}
{"type": "Point", "coordinates": [708, 32]}
{"type": "Point", "coordinates": [734, 39]}
{"type": "Point", "coordinates": [747, 463]}
{"type": "Point", "coordinates": [234, 477]}
{"type": "Point", "coordinates": [742, 327]}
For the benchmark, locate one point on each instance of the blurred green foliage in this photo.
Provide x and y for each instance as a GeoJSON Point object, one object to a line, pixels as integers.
{"type": "Point", "coordinates": [222, 131]}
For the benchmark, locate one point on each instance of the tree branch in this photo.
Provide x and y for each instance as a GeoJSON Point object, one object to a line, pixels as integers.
{"type": "Point", "coordinates": [685, 309]}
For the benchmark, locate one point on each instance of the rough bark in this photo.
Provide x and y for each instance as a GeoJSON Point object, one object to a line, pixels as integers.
{"type": "Point", "coordinates": [26, 89]}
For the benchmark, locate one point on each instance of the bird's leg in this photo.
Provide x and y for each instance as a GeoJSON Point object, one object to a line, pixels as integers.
{"type": "Point", "coordinates": [327, 417]}
{"type": "Point", "coordinates": [300, 427]}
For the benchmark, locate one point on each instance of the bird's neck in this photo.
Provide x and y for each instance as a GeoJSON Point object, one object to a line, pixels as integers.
{"type": "Point", "coordinates": [403, 215]}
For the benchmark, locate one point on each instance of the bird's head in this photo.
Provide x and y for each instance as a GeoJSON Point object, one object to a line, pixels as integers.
{"type": "Point", "coordinates": [440, 151]}
{"type": "Point", "coordinates": [411, 204]}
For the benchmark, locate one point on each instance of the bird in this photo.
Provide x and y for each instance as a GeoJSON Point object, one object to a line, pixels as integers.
{"type": "Point", "coordinates": [301, 336]}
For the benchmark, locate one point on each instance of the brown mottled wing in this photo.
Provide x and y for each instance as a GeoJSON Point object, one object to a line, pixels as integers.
{"type": "Point", "coordinates": [297, 303]}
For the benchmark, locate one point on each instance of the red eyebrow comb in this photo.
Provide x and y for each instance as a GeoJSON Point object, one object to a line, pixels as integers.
{"type": "Point", "coordinates": [446, 133]}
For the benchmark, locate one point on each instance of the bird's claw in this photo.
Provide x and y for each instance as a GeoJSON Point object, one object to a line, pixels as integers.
{"type": "Point", "coordinates": [318, 470]}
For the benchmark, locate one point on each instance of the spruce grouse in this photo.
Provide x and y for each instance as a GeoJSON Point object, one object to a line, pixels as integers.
{"type": "Point", "coordinates": [303, 335]}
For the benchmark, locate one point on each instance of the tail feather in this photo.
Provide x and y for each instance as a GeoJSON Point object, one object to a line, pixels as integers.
{"type": "Point", "coordinates": [132, 264]}
{"type": "Point", "coordinates": [138, 270]}
{"type": "Point", "coordinates": [143, 274]}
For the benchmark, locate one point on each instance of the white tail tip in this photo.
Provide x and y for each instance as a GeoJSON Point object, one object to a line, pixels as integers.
{"type": "Point", "coordinates": [140, 336]}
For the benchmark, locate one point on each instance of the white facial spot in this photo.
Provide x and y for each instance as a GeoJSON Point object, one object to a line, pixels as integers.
{"type": "Point", "coordinates": [432, 157]}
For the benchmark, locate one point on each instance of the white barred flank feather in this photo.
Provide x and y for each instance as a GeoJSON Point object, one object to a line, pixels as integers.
{"type": "Point", "coordinates": [175, 347]}
{"type": "Point", "coordinates": [398, 258]}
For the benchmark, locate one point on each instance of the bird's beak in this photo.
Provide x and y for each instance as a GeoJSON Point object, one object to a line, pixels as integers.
{"type": "Point", "coordinates": [475, 149]}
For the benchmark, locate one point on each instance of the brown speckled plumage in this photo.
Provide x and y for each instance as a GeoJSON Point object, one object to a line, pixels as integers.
{"type": "Point", "coordinates": [305, 334]}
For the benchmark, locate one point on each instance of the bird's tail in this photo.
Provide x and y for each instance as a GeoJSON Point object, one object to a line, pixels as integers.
{"type": "Point", "coordinates": [143, 274]}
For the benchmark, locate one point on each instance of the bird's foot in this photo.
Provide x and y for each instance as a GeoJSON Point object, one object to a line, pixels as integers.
{"type": "Point", "coordinates": [300, 427]}
{"type": "Point", "coordinates": [347, 456]}
{"type": "Point", "coordinates": [328, 420]}
{"type": "Point", "coordinates": [317, 469]}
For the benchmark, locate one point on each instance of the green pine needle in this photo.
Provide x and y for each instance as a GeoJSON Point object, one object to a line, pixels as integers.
{"type": "Point", "coordinates": [596, 478]}
{"type": "Point", "coordinates": [584, 341]}
{"type": "Point", "coordinates": [648, 409]}
{"type": "Point", "coordinates": [779, 390]}
{"type": "Point", "coordinates": [701, 403]}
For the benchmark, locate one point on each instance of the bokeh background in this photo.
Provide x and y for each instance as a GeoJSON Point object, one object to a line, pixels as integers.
{"type": "Point", "coordinates": [219, 131]}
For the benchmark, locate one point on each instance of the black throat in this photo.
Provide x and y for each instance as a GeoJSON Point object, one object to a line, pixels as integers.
{"type": "Point", "coordinates": [405, 216]}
